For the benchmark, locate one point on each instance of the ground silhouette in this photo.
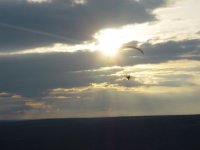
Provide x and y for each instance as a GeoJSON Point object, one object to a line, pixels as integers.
{"type": "Point", "coordinates": [117, 133]}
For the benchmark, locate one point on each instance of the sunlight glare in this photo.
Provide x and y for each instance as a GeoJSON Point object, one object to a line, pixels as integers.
{"type": "Point", "coordinates": [108, 41]}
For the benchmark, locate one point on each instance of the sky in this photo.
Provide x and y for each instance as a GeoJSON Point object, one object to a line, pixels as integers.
{"type": "Point", "coordinates": [63, 58]}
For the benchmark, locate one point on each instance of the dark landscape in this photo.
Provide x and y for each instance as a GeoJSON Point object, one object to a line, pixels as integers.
{"type": "Point", "coordinates": [134, 133]}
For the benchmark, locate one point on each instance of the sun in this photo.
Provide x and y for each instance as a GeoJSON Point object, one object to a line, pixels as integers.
{"type": "Point", "coordinates": [108, 42]}
{"type": "Point", "coordinates": [108, 48]}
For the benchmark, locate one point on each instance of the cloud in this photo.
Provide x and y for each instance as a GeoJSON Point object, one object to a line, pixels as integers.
{"type": "Point", "coordinates": [39, 24]}
{"type": "Point", "coordinates": [165, 88]}
{"type": "Point", "coordinates": [33, 75]}
{"type": "Point", "coordinates": [35, 105]}
{"type": "Point", "coordinates": [39, 1]}
{"type": "Point", "coordinates": [46, 71]}
{"type": "Point", "coordinates": [12, 108]}
{"type": "Point", "coordinates": [17, 107]}
{"type": "Point", "coordinates": [113, 100]}
{"type": "Point", "coordinates": [161, 52]}
{"type": "Point", "coordinates": [9, 95]}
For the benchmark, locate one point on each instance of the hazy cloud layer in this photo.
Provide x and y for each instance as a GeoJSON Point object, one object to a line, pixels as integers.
{"type": "Point", "coordinates": [28, 24]}
{"type": "Point", "coordinates": [168, 88]}
{"type": "Point", "coordinates": [105, 100]}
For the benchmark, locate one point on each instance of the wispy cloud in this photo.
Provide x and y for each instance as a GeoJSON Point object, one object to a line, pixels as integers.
{"type": "Point", "coordinates": [39, 1]}
{"type": "Point", "coordinates": [9, 95]}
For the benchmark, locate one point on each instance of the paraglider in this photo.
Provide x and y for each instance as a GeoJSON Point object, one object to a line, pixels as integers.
{"type": "Point", "coordinates": [132, 47]}
{"type": "Point", "coordinates": [128, 77]}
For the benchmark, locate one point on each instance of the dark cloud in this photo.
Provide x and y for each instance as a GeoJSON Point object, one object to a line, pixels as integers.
{"type": "Point", "coordinates": [198, 32]}
{"type": "Point", "coordinates": [162, 52]}
{"type": "Point", "coordinates": [62, 18]}
{"type": "Point", "coordinates": [173, 49]}
{"type": "Point", "coordinates": [12, 109]}
{"type": "Point", "coordinates": [33, 75]}
{"type": "Point", "coordinates": [105, 103]}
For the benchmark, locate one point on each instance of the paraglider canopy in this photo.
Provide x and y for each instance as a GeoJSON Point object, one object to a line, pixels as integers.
{"type": "Point", "coordinates": [131, 45]}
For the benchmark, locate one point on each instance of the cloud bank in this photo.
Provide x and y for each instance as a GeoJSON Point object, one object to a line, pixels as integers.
{"type": "Point", "coordinates": [40, 23]}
